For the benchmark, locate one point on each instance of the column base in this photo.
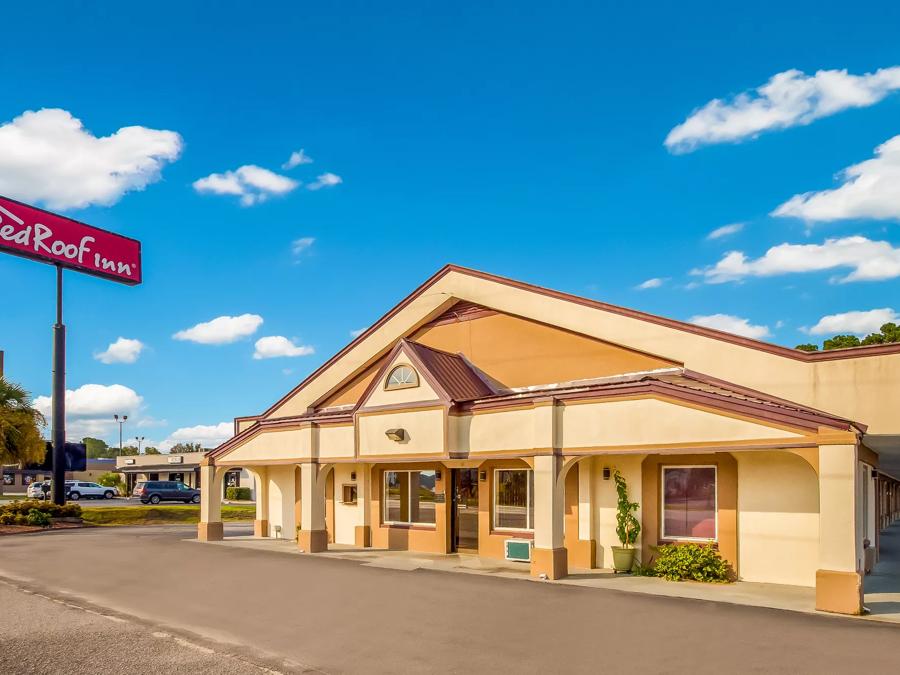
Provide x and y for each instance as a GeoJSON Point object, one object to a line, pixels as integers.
{"type": "Point", "coordinates": [312, 541]}
{"type": "Point", "coordinates": [363, 536]}
{"type": "Point", "coordinates": [210, 531]}
{"type": "Point", "coordinates": [550, 561]}
{"type": "Point", "coordinates": [839, 592]}
{"type": "Point", "coordinates": [583, 554]}
{"type": "Point", "coordinates": [260, 528]}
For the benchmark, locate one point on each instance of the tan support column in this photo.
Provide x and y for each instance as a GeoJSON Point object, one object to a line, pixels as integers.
{"type": "Point", "coordinates": [210, 526]}
{"type": "Point", "coordinates": [838, 579]}
{"type": "Point", "coordinates": [586, 555]}
{"type": "Point", "coordinates": [549, 555]}
{"type": "Point", "coordinates": [312, 536]}
{"type": "Point", "coordinates": [261, 523]}
{"type": "Point", "coordinates": [363, 534]}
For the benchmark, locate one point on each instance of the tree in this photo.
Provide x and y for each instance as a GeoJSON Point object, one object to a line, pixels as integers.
{"type": "Point", "coordinates": [181, 448]}
{"type": "Point", "coordinates": [20, 422]}
{"type": "Point", "coordinates": [150, 450]}
{"type": "Point", "coordinates": [841, 342]}
{"type": "Point", "coordinates": [98, 448]}
{"type": "Point", "coordinates": [128, 450]}
{"type": "Point", "coordinates": [807, 347]}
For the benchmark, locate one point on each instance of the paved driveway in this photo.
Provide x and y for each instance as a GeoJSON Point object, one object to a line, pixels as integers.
{"type": "Point", "coordinates": [341, 616]}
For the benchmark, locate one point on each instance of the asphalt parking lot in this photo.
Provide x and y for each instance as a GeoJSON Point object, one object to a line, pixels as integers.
{"type": "Point", "coordinates": [342, 616]}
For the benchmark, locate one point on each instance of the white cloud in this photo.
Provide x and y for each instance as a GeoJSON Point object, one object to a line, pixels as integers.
{"type": "Point", "coordinates": [856, 323]}
{"type": "Point", "coordinates": [655, 282]}
{"type": "Point", "coordinates": [788, 99]}
{"type": "Point", "coordinates": [90, 408]}
{"type": "Point", "coordinates": [221, 330]}
{"type": "Point", "coordinates": [869, 261]}
{"type": "Point", "coordinates": [325, 180]}
{"type": "Point", "coordinates": [253, 184]}
{"type": "Point", "coordinates": [50, 158]}
{"type": "Point", "coordinates": [296, 159]}
{"type": "Point", "coordinates": [871, 189]}
{"type": "Point", "coordinates": [731, 324]}
{"type": "Point", "coordinates": [725, 231]}
{"type": "Point", "coordinates": [208, 435]}
{"type": "Point", "coordinates": [123, 350]}
{"type": "Point", "coordinates": [273, 346]}
{"type": "Point", "coordinates": [301, 245]}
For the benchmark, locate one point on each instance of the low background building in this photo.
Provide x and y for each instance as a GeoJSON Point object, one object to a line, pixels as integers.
{"type": "Point", "coordinates": [183, 467]}
{"type": "Point", "coordinates": [16, 480]}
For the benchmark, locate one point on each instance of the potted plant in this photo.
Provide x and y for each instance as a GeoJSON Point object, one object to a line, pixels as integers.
{"type": "Point", "coordinates": [627, 527]}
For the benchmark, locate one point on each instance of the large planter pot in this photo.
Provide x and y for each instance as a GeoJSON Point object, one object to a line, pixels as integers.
{"type": "Point", "coordinates": [623, 558]}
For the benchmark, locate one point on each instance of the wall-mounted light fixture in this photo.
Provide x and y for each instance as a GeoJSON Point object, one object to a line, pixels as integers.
{"type": "Point", "coordinates": [352, 475]}
{"type": "Point", "coordinates": [396, 434]}
{"type": "Point", "coordinates": [605, 473]}
{"type": "Point", "coordinates": [437, 474]}
{"type": "Point", "coordinates": [482, 475]}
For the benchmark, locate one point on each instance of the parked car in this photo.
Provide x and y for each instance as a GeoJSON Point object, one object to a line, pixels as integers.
{"type": "Point", "coordinates": [156, 491]}
{"type": "Point", "coordinates": [35, 490]}
{"type": "Point", "coordinates": [77, 489]}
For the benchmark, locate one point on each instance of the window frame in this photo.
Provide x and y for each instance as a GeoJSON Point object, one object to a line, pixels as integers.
{"type": "Point", "coordinates": [384, 501]}
{"type": "Point", "coordinates": [662, 503]}
{"type": "Point", "coordinates": [409, 385]}
{"type": "Point", "coordinates": [529, 518]}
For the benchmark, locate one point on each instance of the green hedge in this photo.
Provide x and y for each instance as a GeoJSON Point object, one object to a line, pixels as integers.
{"type": "Point", "coordinates": [24, 507]}
{"type": "Point", "coordinates": [237, 494]}
{"type": "Point", "coordinates": [691, 562]}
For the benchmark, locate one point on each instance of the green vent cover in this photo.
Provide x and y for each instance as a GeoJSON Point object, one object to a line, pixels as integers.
{"type": "Point", "coordinates": [518, 549]}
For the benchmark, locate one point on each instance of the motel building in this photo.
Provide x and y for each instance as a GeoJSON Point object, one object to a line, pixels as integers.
{"type": "Point", "coordinates": [481, 411]}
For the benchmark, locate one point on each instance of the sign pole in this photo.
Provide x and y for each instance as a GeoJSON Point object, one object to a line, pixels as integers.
{"type": "Point", "coordinates": [59, 396]}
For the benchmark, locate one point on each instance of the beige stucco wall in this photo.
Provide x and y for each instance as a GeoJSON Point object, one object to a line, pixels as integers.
{"type": "Point", "coordinates": [653, 422]}
{"type": "Point", "coordinates": [281, 500]}
{"type": "Point", "coordinates": [346, 516]}
{"type": "Point", "coordinates": [778, 518]}
{"type": "Point", "coordinates": [272, 445]}
{"type": "Point", "coordinates": [604, 500]}
{"type": "Point", "coordinates": [380, 396]}
{"type": "Point", "coordinates": [498, 431]}
{"type": "Point", "coordinates": [424, 429]}
{"type": "Point", "coordinates": [335, 442]}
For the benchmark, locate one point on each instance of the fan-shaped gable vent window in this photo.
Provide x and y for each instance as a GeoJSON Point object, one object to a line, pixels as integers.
{"type": "Point", "coordinates": [402, 377]}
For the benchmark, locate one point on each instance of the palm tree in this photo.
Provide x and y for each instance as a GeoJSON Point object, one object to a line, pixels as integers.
{"type": "Point", "coordinates": [20, 422]}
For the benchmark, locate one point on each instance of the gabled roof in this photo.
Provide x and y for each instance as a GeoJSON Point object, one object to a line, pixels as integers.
{"type": "Point", "coordinates": [794, 354]}
{"type": "Point", "coordinates": [453, 378]}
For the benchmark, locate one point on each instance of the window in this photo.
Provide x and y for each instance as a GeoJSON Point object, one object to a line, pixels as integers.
{"type": "Point", "coordinates": [348, 493]}
{"type": "Point", "coordinates": [409, 497]}
{"type": "Point", "coordinates": [513, 499]}
{"type": "Point", "coordinates": [689, 502]}
{"type": "Point", "coordinates": [176, 477]}
{"type": "Point", "coordinates": [402, 377]}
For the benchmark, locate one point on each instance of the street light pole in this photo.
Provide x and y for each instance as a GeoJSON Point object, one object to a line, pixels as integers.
{"type": "Point", "coordinates": [140, 440]}
{"type": "Point", "coordinates": [121, 424]}
{"type": "Point", "coordinates": [59, 396]}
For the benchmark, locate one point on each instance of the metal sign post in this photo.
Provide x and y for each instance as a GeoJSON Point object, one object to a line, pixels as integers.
{"type": "Point", "coordinates": [50, 238]}
{"type": "Point", "coordinates": [59, 396]}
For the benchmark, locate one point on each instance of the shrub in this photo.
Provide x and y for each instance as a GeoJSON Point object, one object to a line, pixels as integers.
{"type": "Point", "coordinates": [39, 518]}
{"type": "Point", "coordinates": [237, 493]}
{"type": "Point", "coordinates": [697, 562]}
{"type": "Point", "coordinates": [24, 507]}
{"type": "Point", "coordinates": [628, 527]}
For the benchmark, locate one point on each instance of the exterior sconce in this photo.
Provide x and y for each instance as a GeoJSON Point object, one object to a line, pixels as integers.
{"type": "Point", "coordinates": [482, 475]}
{"type": "Point", "coordinates": [605, 473]}
{"type": "Point", "coordinates": [396, 434]}
{"type": "Point", "coordinates": [352, 475]}
{"type": "Point", "coordinates": [437, 474]}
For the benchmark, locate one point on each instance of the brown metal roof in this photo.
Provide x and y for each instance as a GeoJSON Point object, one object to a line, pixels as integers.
{"type": "Point", "coordinates": [453, 373]}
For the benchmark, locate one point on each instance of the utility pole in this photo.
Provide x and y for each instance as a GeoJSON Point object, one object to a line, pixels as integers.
{"type": "Point", "coordinates": [59, 396]}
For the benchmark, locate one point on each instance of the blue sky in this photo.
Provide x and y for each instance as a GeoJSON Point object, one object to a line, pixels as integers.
{"type": "Point", "coordinates": [518, 138]}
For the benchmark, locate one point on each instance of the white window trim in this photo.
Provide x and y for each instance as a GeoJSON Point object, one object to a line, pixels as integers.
{"type": "Point", "coordinates": [407, 385]}
{"type": "Point", "coordinates": [384, 510]}
{"type": "Point", "coordinates": [662, 502]}
{"type": "Point", "coordinates": [494, 504]}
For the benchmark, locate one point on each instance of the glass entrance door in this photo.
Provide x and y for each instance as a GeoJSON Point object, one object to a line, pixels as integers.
{"type": "Point", "coordinates": [465, 509]}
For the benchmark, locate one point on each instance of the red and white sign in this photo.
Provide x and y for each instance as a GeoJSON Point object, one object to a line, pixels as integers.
{"type": "Point", "coordinates": [35, 233]}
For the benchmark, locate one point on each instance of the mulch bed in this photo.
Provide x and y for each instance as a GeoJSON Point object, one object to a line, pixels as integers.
{"type": "Point", "coordinates": [25, 529]}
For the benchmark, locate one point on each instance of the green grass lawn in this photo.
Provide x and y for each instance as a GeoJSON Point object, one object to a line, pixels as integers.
{"type": "Point", "coordinates": [160, 515]}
